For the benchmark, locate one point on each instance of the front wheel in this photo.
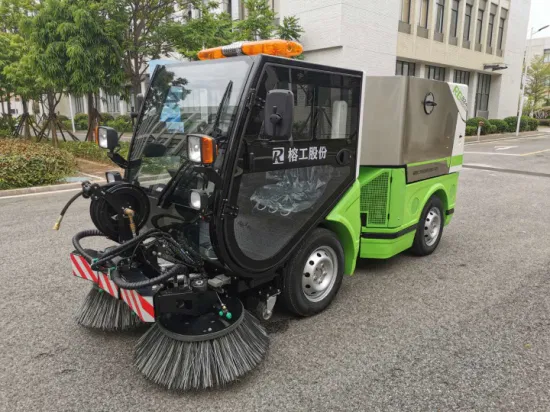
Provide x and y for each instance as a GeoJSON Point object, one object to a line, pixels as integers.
{"type": "Point", "coordinates": [313, 276]}
{"type": "Point", "coordinates": [430, 228]}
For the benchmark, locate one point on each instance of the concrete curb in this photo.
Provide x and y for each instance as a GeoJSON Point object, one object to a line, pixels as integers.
{"type": "Point", "coordinates": [43, 189]}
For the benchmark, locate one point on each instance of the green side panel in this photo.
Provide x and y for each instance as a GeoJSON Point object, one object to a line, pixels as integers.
{"type": "Point", "coordinates": [384, 249]}
{"type": "Point", "coordinates": [375, 199]}
{"type": "Point", "coordinates": [344, 220]}
{"type": "Point", "coordinates": [398, 195]}
{"type": "Point", "coordinates": [405, 205]}
{"type": "Point", "coordinates": [457, 160]}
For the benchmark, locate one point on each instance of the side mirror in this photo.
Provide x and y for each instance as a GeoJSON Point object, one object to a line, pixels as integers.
{"type": "Point", "coordinates": [279, 114]}
{"type": "Point", "coordinates": [107, 138]}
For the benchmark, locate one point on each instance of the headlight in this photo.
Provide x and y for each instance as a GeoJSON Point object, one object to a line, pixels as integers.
{"type": "Point", "coordinates": [102, 138]}
{"type": "Point", "coordinates": [194, 148]}
{"type": "Point", "coordinates": [195, 200]}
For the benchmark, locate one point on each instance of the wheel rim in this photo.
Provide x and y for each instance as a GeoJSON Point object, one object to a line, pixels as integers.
{"type": "Point", "coordinates": [319, 274]}
{"type": "Point", "coordinates": [432, 226]}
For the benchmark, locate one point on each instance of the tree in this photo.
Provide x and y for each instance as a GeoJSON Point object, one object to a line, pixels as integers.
{"type": "Point", "coordinates": [24, 82]}
{"type": "Point", "coordinates": [290, 29]}
{"type": "Point", "coordinates": [76, 48]}
{"type": "Point", "coordinates": [259, 22]}
{"type": "Point", "coordinates": [145, 37]}
{"type": "Point", "coordinates": [538, 78]}
{"type": "Point", "coordinates": [209, 29]}
{"type": "Point", "coordinates": [11, 12]}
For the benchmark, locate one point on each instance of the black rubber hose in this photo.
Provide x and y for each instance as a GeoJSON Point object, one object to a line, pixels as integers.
{"type": "Point", "coordinates": [65, 208]}
{"type": "Point", "coordinates": [70, 202]}
{"type": "Point", "coordinates": [174, 271]}
{"type": "Point", "coordinates": [81, 235]}
{"type": "Point", "coordinates": [119, 249]}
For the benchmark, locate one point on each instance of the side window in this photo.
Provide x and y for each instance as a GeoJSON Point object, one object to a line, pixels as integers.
{"type": "Point", "coordinates": [326, 106]}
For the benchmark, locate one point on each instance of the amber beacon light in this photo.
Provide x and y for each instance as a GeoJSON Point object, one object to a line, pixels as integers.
{"type": "Point", "coordinates": [283, 48]}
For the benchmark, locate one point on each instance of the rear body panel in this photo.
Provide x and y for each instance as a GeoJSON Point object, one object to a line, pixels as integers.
{"type": "Point", "coordinates": [391, 208]}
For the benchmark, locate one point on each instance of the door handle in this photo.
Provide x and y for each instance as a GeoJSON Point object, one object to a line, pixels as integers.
{"type": "Point", "coordinates": [251, 162]}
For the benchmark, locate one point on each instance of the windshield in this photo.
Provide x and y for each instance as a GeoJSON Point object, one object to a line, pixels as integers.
{"type": "Point", "coordinates": [183, 99]}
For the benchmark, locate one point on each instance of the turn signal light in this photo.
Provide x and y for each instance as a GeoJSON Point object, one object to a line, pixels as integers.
{"type": "Point", "coordinates": [208, 150]}
{"type": "Point", "coordinates": [277, 47]}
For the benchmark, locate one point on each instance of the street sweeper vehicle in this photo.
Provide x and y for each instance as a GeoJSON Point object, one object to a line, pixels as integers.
{"type": "Point", "coordinates": [253, 178]}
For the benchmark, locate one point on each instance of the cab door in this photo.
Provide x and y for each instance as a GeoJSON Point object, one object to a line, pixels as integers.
{"type": "Point", "coordinates": [282, 187]}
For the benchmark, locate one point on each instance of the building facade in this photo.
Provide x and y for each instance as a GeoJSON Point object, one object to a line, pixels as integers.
{"type": "Point", "coordinates": [450, 40]}
{"type": "Point", "coordinates": [464, 41]}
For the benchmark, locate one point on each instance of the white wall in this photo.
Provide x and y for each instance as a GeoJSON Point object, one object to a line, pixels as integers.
{"type": "Point", "coordinates": [355, 34]}
{"type": "Point", "coordinates": [539, 45]}
{"type": "Point", "coordinates": [505, 91]}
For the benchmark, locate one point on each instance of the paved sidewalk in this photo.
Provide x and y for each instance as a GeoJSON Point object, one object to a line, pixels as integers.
{"type": "Point", "coordinates": [493, 137]}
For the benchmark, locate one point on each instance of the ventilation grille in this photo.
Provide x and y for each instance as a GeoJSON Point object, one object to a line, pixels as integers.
{"type": "Point", "coordinates": [374, 200]}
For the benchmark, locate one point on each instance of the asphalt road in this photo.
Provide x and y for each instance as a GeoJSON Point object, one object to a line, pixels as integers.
{"type": "Point", "coordinates": [530, 154]}
{"type": "Point", "coordinates": [467, 328]}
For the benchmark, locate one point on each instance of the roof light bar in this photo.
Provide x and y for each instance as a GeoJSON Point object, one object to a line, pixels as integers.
{"type": "Point", "coordinates": [277, 47]}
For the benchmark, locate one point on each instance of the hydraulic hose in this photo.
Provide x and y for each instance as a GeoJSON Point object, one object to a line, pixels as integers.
{"type": "Point", "coordinates": [174, 271]}
{"type": "Point", "coordinates": [116, 251]}
{"type": "Point", "coordinates": [65, 208]}
{"type": "Point", "coordinates": [81, 235]}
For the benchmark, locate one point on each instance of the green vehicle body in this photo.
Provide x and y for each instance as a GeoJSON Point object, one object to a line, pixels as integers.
{"type": "Point", "coordinates": [394, 207]}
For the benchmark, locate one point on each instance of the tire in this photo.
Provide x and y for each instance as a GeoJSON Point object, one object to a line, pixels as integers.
{"type": "Point", "coordinates": [430, 228]}
{"type": "Point", "coordinates": [312, 277]}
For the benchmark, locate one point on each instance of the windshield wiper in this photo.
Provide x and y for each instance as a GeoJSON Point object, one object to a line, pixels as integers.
{"type": "Point", "coordinates": [216, 132]}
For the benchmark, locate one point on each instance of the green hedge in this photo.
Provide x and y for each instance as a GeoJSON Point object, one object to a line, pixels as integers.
{"type": "Point", "coordinates": [471, 131]}
{"type": "Point", "coordinates": [474, 122]}
{"type": "Point", "coordinates": [7, 125]}
{"type": "Point", "coordinates": [81, 121]}
{"type": "Point", "coordinates": [526, 123]}
{"type": "Point", "coordinates": [501, 125]}
{"type": "Point", "coordinates": [91, 151]}
{"type": "Point", "coordinates": [122, 124]}
{"type": "Point", "coordinates": [508, 125]}
{"type": "Point", "coordinates": [26, 164]}
{"type": "Point", "coordinates": [544, 122]}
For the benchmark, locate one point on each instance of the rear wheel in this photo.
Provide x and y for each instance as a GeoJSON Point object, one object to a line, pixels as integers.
{"type": "Point", "coordinates": [314, 274]}
{"type": "Point", "coordinates": [430, 228]}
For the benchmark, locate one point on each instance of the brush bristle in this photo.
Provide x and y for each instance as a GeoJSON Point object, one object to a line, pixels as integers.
{"type": "Point", "coordinates": [102, 311]}
{"type": "Point", "coordinates": [199, 365]}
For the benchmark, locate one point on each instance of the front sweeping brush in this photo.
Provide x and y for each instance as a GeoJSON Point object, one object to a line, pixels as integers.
{"type": "Point", "coordinates": [213, 352]}
{"type": "Point", "coordinates": [102, 311]}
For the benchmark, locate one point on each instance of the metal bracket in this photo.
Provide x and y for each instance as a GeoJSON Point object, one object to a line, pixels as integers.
{"type": "Point", "coordinates": [229, 210]}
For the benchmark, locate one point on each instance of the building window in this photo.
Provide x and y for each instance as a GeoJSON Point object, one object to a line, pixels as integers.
{"type": "Point", "coordinates": [403, 68]}
{"type": "Point", "coordinates": [479, 27]}
{"type": "Point", "coordinates": [78, 104]}
{"type": "Point", "coordinates": [500, 39]}
{"type": "Point", "coordinates": [482, 93]}
{"type": "Point", "coordinates": [454, 17]}
{"type": "Point", "coordinates": [547, 56]}
{"type": "Point", "coordinates": [462, 77]}
{"type": "Point", "coordinates": [440, 12]}
{"type": "Point", "coordinates": [424, 11]}
{"type": "Point", "coordinates": [112, 104]}
{"type": "Point", "coordinates": [406, 11]}
{"type": "Point", "coordinates": [435, 73]}
{"type": "Point", "coordinates": [467, 22]}
{"type": "Point", "coordinates": [490, 30]}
